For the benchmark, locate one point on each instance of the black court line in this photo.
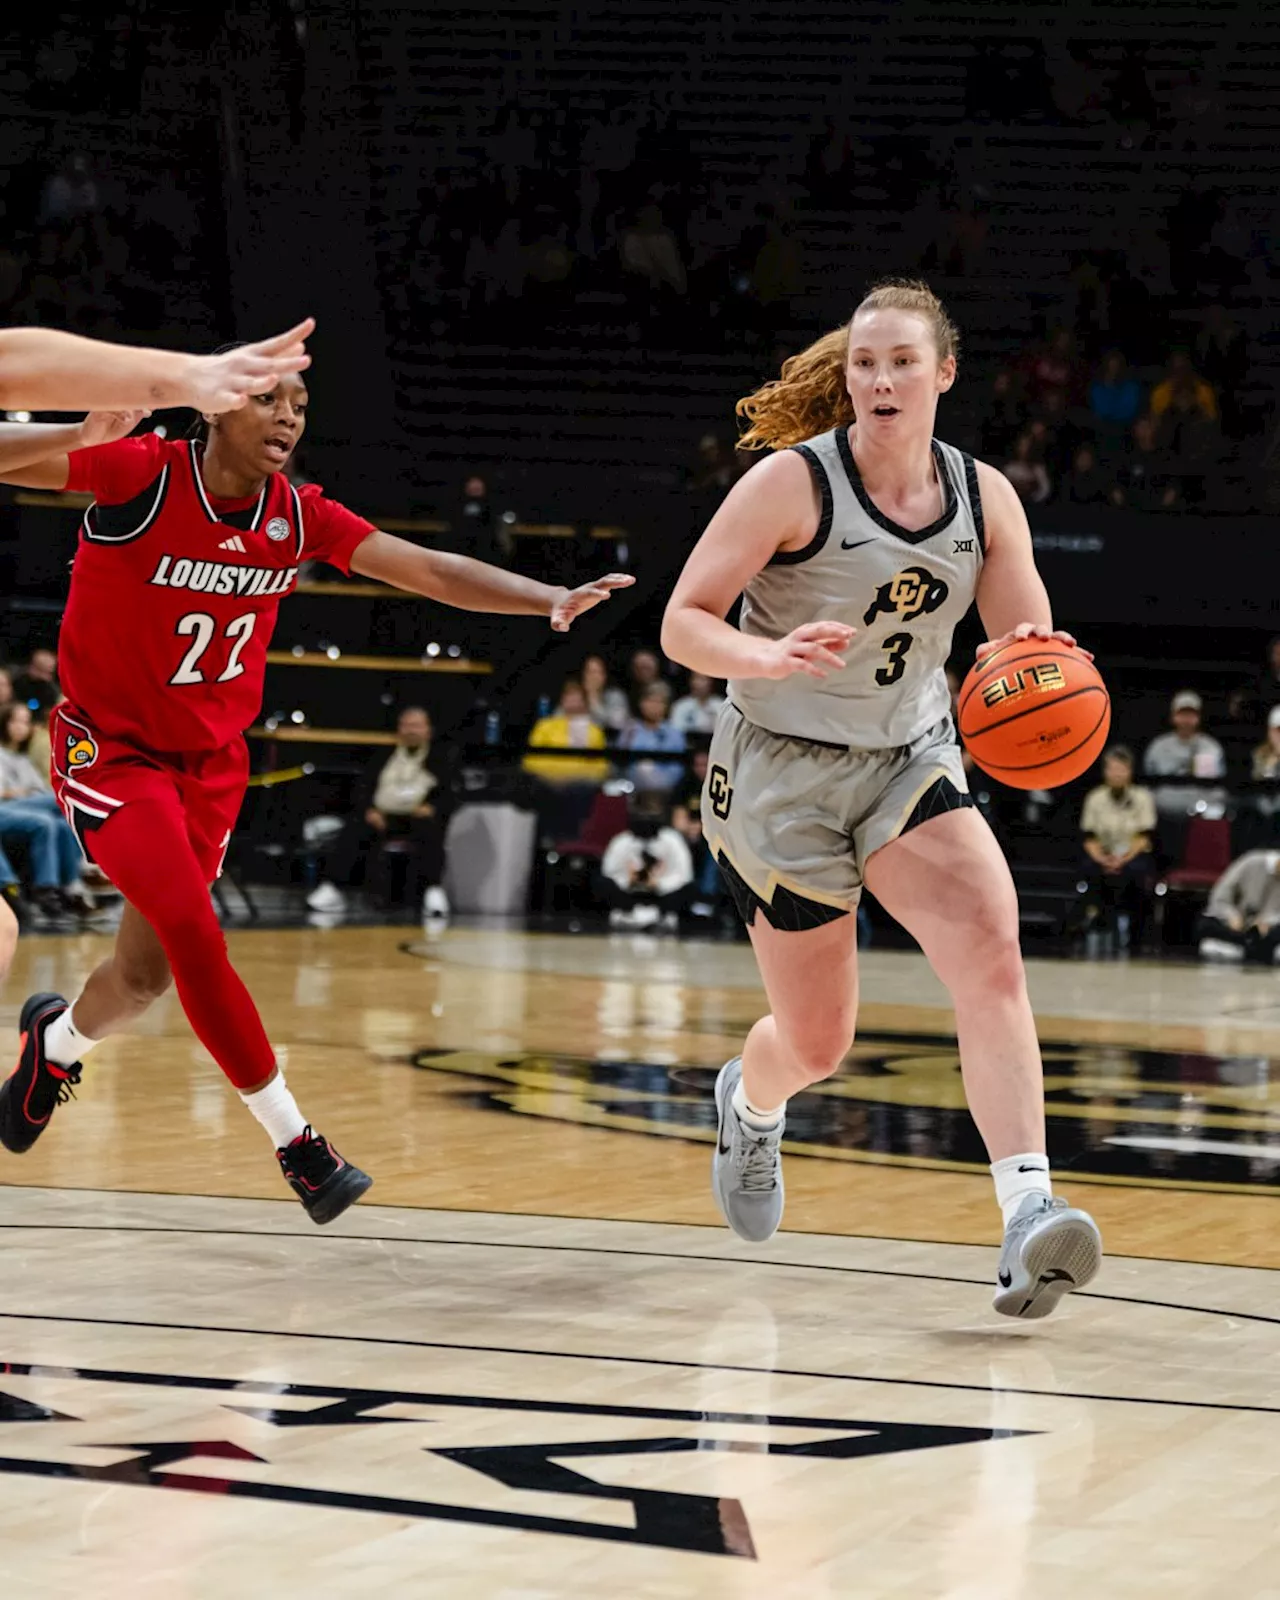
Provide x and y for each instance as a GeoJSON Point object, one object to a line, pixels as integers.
{"type": "Point", "coordinates": [565, 1216]}
{"type": "Point", "coordinates": [634, 1361]}
{"type": "Point", "coordinates": [639, 1255]}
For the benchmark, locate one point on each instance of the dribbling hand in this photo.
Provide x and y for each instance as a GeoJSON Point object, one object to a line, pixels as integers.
{"type": "Point", "coordinates": [571, 603]}
{"type": "Point", "coordinates": [105, 427]}
{"type": "Point", "coordinates": [813, 649]}
{"type": "Point", "coordinates": [1030, 630]}
{"type": "Point", "coordinates": [225, 382]}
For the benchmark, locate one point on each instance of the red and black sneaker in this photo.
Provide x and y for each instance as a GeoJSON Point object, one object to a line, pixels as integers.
{"type": "Point", "coordinates": [321, 1179]}
{"type": "Point", "coordinates": [36, 1087]}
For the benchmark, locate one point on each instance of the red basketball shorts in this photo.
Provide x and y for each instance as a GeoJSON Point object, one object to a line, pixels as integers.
{"type": "Point", "coordinates": [94, 775]}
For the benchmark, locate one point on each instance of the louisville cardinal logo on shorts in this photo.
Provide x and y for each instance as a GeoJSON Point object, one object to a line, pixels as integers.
{"type": "Point", "coordinates": [81, 750]}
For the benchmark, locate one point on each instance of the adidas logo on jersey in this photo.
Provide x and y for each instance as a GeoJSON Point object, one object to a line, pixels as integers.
{"type": "Point", "coordinates": [221, 577]}
{"type": "Point", "coordinates": [235, 543]}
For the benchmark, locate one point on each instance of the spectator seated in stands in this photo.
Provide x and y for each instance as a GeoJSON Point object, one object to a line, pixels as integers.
{"type": "Point", "coordinates": [652, 734]}
{"type": "Point", "coordinates": [30, 815]}
{"type": "Point", "coordinates": [1115, 399]}
{"type": "Point", "coordinates": [566, 784]}
{"type": "Point", "coordinates": [1242, 919]}
{"type": "Point", "coordinates": [606, 704]}
{"type": "Point", "coordinates": [1118, 822]}
{"type": "Point", "coordinates": [1088, 483]}
{"type": "Point", "coordinates": [1183, 390]}
{"type": "Point", "coordinates": [1185, 752]}
{"type": "Point", "coordinates": [646, 876]}
{"type": "Point", "coordinates": [643, 671]}
{"type": "Point", "coordinates": [1148, 476]}
{"type": "Point", "coordinates": [696, 712]}
{"type": "Point", "coordinates": [1004, 416]}
{"type": "Point", "coordinates": [404, 796]}
{"type": "Point", "coordinates": [687, 821]}
{"type": "Point", "coordinates": [6, 689]}
{"type": "Point", "coordinates": [1265, 765]}
{"type": "Point", "coordinates": [37, 684]}
{"type": "Point", "coordinates": [1027, 473]}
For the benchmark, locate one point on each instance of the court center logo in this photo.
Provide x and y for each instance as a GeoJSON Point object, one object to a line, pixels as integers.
{"type": "Point", "coordinates": [720, 792]}
{"type": "Point", "coordinates": [527, 1464]}
{"type": "Point", "coordinates": [913, 592]}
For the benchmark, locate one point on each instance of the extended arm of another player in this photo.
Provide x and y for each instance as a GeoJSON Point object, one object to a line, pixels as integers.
{"type": "Point", "coordinates": [475, 585]}
{"type": "Point", "coordinates": [44, 369]}
{"type": "Point", "coordinates": [36, 455]}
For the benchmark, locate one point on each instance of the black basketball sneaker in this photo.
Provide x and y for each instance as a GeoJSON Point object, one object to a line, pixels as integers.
{"type": "Point", "coordinates": [36, 1087]}
{"type": "Point", "coordinates": [321, 1179]}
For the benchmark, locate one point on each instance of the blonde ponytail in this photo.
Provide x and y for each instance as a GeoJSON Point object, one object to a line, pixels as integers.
{"type": "Point", "coordinates": [810, 396]}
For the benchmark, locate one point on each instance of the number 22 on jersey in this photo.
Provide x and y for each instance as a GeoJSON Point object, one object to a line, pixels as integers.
{"type": "Point", "coordinates": [200, 627]}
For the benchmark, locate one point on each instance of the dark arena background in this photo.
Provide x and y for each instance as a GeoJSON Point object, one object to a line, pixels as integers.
{"type": "Point", "coordinates": [547, 249]}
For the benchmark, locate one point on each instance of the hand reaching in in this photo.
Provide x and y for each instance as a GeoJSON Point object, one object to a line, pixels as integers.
{"type": "Point", "coordinates": [572, 603]}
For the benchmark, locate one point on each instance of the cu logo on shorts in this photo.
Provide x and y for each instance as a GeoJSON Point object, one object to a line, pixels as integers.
{"type": "Point", "coordinates": [720, 792]}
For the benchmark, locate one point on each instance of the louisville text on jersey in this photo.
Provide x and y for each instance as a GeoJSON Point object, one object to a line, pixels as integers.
{"type": "Point", "coordinates": [221, 577]}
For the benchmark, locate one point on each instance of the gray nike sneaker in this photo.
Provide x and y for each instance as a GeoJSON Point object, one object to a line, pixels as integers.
{"type": "Point", "coordinates": [746, 1172]}
{"type": "Point", "coordinates": [1049, 1249]}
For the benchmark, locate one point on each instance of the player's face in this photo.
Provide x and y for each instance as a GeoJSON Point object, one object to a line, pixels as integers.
{"type": "Point", "coordinates": [893, 373]}
{"type": "Point", "coordinates": [263, 434]}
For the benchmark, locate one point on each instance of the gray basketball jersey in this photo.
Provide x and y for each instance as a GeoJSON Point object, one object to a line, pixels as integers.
{"type": "Point", "coordinates": [903, 591]}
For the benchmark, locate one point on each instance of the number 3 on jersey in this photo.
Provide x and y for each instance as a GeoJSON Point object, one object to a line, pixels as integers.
{"type": "Point", "coordinates": [200, 627]}
{"type": "Point", "coordinates": [896, 645]}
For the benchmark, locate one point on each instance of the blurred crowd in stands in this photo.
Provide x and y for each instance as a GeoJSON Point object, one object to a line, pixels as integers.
{"type": "Point", "coordinates": [43, 874]}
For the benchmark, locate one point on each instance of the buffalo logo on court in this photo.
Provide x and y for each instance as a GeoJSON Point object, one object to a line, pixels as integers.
{"type": "Point", "coordinates": [1043, 675]}
{"type": "Point", "coordinates": [913, 592]}
{"type": "Point", "coordinates": [721, 793]}
{"type": "Point", "coordinates": [277, 529]}
{"type": "Point", "coordinates": [81, 750]}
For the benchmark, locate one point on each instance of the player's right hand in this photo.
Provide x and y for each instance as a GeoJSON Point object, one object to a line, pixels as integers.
{"type": "Point", "coordinates": [105, 427]}
{"type": "Point", "coordinates": [225, 382]}
{"type": "Point", "coordinates": [813, 649]}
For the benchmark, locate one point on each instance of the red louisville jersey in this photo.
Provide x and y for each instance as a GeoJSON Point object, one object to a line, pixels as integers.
{"type": "Point", "coordinates": [174, 594]}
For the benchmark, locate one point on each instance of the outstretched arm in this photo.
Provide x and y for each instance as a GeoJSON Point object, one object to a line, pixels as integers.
{"type": "Point", "coordinates": [35, 455]}
{"type": "Point", "coordinates": [43, 369]}
{"type": "Point", "coordinates": [474, 585]}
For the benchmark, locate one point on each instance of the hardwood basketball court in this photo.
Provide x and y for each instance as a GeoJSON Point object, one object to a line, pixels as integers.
{"type": "Point", "coordinates": [537, 1365]}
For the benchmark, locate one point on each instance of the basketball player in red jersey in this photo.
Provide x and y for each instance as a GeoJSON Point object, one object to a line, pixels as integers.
{"type": "Point", "coordinates": [45, 369]}
{"type": "Point", "coordinates": [183, 560]}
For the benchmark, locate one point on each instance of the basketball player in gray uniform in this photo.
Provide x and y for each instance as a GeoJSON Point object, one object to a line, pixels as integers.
{"type": "Point", "coordinates": [835, 762]}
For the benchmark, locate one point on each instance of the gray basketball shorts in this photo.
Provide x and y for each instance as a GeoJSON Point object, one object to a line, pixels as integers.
{"type": "Point", "coordinates": [792, 822]}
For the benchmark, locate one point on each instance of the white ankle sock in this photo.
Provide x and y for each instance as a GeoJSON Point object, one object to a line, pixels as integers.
{"type": "Point", "coordinates": [277, 1111]}
{"type": "Point", "coordinates": [1018, 1176]}
{"type": "Point", "coordinates": [760, 1117]}
{"type": "Point", "coordinates": [64, 1044]}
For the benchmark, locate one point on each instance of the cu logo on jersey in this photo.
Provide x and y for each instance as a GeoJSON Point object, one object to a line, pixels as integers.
{"type": "Point", "coordinates": [720, 792]}
{"type": "Point", "coordinates": [913, 592]}
{"type": "Point", "coordinates": [277, 529]}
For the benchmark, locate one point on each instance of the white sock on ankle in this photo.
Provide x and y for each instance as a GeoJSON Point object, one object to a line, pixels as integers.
{"type": "Point", "coordinates": [277, 1111]}
{"type": "Point", "coordinates": [1018, 1176]}
{"type": "Point", "coordinates": [64, 1044]}
{"type": "Point", "coordinates": [760, 1117]}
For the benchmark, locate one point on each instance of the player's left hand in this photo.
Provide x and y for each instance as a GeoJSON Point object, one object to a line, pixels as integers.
{"type": "Point", "coordinates": [105, 427]}
{"type": "Point", "coordinates": [571, 603]}
{"type": "Point", "coordinates": [1030, 630]}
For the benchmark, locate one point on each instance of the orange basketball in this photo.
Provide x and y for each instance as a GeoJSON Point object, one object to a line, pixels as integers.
{"type": "Point", "coordinates": [1034, 714]}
